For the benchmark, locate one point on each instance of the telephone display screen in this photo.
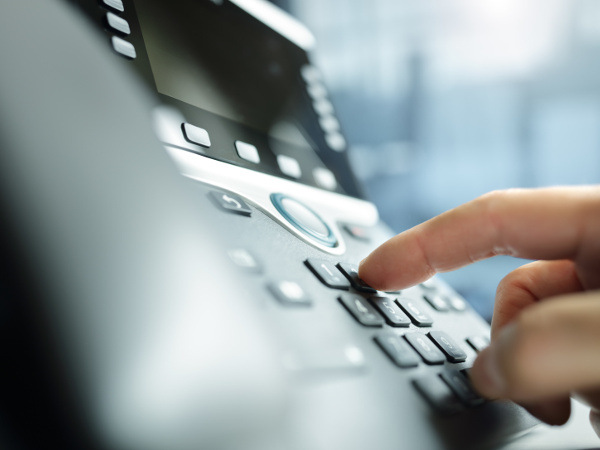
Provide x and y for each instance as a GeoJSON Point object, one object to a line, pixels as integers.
{"type": "Point", "coordinates": [214, 56]}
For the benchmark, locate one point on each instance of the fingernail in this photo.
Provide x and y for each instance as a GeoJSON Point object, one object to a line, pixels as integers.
{"type": "Point", "coordinates": [486, 375]}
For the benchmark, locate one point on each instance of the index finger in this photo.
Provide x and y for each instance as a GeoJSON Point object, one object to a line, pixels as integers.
{"type": "Point", "coordinates": [551, 223]}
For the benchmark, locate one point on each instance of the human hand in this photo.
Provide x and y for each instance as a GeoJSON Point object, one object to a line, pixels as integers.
{"type": "Point", "coordinates": [546, 324]}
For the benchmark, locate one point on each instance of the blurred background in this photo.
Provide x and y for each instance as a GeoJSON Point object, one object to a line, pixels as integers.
{"type": "Point", "coordinates": [444, 100]}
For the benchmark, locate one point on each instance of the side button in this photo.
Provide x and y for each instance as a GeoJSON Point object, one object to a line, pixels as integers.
{"type": "Point", "coordinates": [196, 135]}
{"type": "Point", "coordinates": [117, 5]}
{"type": "Point", "coordinates": [123, 47]}
{"type": "Point", "coordinates": [117, 23]}
{"type": "Point", "coordinates": [230, 203]}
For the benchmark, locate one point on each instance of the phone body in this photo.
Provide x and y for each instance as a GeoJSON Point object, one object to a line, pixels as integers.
{"type": "Point", "coordinates": [244, 114]}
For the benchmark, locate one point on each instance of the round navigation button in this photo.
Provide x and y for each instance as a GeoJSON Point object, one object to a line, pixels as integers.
{"type": "Point", "coordinates": [304, 219]}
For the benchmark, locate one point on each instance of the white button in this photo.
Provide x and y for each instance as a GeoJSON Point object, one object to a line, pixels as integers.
{"type": "Point", "coordinates": [123, 47]}
{"type": "Point", "coordinates": [114, 4]}
{"type": "Point", "coordinates": [289, 166]}
{"type": "Point", "coordinates": [325, 178]}
{"type": "Point", "coordinates": [335, 141]}
{"type": "Point", "coordinates": [329, 124]}
{"type": "Point", "coordinates": [317, 91]}
{"type": "Point", "coordinates": [310, 74]}
{"type": "Point", "coordinates": [196, 135]}
{"type": "Point", "coordinates": [117, 23]}
{"type": "Point", "coordinates": [247, 151]}
{"type": "Point", "coordinates": [323, 107]}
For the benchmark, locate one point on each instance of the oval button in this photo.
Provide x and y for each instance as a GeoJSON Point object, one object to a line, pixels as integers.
{"type": "Point", "coordinates": [304, 219]}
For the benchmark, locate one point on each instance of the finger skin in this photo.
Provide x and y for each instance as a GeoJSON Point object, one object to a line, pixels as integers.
{"type": "Point", "coordinates": [548, 351]}
{"type": "Point", "coordinates": [551, 223]}
{"type": "Point", "coordinates": [595, 421]}
{"type": "Point", "coordinates": [555, 411]}
{"type": "Point", "coordinates": [529, 284]}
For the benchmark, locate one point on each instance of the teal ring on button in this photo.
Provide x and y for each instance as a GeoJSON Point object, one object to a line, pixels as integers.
{"type": "Point", "coordinates": [326, 238]}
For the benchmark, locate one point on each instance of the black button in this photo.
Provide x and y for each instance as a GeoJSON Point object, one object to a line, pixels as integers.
{"type": "Point", "coordinates": [414, 311]}
{"type": "Point", "coordinates": [461, 386]}
{"type": "Point", "coordinates": [362, 311]}
{"type": "Point", "coordinates": [397, 349]}
{"type": "Point", "coordinates": [391, 312]}
{"type": "Point", "coordinates": [429, 352]}
{"type": "Point", "coordinates": [437, 302]}
{"type": "Point", "coordinates": [328, 273]}
{"type": "Point", "coordinates": [304, 219]}
{"type": "Point", "coordinates": [351, 272]}
{"type": "Point", "coordinates": [438, 394]}
{"type": "Point", "coordinates": [478, 342]}
{"type": "Point", "coordinates": [231, 203]}
{"type": "Point", "coordinates": [289, 293]}
{"type": "Point", "coordinates": [454, 353]}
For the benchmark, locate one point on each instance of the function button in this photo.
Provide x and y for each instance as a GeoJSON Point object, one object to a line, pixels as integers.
{"type": "Point", "coordinates": [196, 135]}
{"type": "Point", "coordinates": [117, 5]}
{"type": "Point", "coordinates": [478, 342]}
{"type": "Point", "coordinates": [335, 141]}
{"type": "Point", "coordinates": [357, 232]}
{"type": "Point", "coordinates": [317, 91]}
{"type": "Point", "coordinates": [429, 352]}
{"type": "Point", "coordinates": [310, 74]}
{"type": "Point", "coordinates": [123, 47]}
{"type": "Point", "coordinates": [325, 178]}
{"type": "Point", "coordinates": [304, 219]}
{"type": "Point", "coordinates": [462, 387]}
{"type": "Point", "coordinates": [328, 273]}
{"type": "Point", "coordinates": [362, 311]}
{"type": "Point", "coordinates": [438, 394]}
{"type": "Point", "coordinates": [323, 107]}
{"type": "Point", "coordinates": [247, 151]}
{"type": "Point", "coordinates": [351, 272]}
{"type": "Point", "coordinates": [451, 349]}
{"type": "Point", "coordinates": [244, 260]}
{"type": "Point", "coordinates": [289, 293]}
{"type": "Point", "coordinates": [231, 203]}
{"type": "Point", "coordinates": [397, 349]}
{"type": "Point", "coordinates": [429, 284]}
{"type": "Point", "coordinates": [329, 123]}
{"type": "Point", "coordinates": [391, 312]}
{"type": "Point", "coordinates": [437, 302]}
{"type": "Point", "coordinates": [289, 166]}
{"type": "Point", "coordinates": [414, 311]}
{"type": "Point", "coordinates": [457, 304]}
{"type": "Point", "coordinates": [117, 23]}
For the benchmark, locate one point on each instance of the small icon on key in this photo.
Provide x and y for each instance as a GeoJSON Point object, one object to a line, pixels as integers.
{"type": "Point", "coordinates": [231, 203]}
